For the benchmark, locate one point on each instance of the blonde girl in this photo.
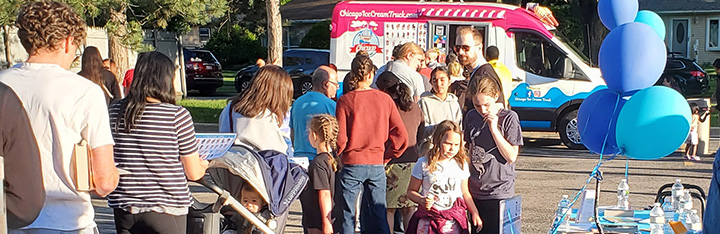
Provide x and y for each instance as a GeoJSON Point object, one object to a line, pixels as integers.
{"type": "Point", "coordinates": [443, 176]}
{"type": "Point", "coordinates": [317, 199]}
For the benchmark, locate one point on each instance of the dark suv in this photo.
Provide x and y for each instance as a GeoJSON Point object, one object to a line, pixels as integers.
{"type": "Point", "coordinates": [299, 63]}
{"type": "Point", "coordinates": [684, 75]}
{"type": "Point", "coordinates": [203, 72]}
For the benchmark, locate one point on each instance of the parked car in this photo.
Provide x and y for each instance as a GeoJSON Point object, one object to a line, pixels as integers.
{"type": "Point", "coordinates": [299, 63]}
{"type": "Point", "coordinates": [685, 75]}
{"type": "Point", "coordinates": [203, 72]}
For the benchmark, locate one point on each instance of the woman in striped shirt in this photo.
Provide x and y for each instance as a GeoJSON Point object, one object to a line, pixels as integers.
{"type": "Point", "coordinates": [155, 141]}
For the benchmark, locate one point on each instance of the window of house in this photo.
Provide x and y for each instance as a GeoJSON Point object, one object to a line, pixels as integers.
{"type": "Point", "coordinates": [713, 37]}
{"type": "Point", "coordinates": [537, 55]}
{"type": "Point", "coordinates": [204, 34]}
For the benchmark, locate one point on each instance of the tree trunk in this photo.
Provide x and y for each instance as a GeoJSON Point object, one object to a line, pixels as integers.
{"type": "Point", "coordinates": [275, 47]}
{"type": "Point", "coordinates": [6, 38]}
{"type": "Point", "coordinates": [118, 52]}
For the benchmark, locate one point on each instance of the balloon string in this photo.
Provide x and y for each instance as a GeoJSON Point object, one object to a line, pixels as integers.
{"type": "Point", "coordinates": [594, 173]}
{"type": "Point", "coordinates": [627, 167]}
{"type": "Point", "coordinates": [607, 131]}
{"type": "Point", "coordinates": [556, 224]}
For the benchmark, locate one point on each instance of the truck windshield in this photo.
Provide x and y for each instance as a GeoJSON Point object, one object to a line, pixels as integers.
{"type": "Point", "coordinates": [572, 47]}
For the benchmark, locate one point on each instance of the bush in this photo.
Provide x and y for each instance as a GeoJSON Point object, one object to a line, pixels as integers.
{"type": "Point", "coordinates": [318, 37]}
{"type": "Point", "coordinates": [236, 46]}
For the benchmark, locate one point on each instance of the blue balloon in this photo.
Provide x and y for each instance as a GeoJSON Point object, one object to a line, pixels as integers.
{"type": "Point", "coordinates": [653, 123]}
{"type": "Point", "coordinates": [614, 13]}
{"type": "Point", "coordinates": [632, 57]}
{"type": "Point", "coordinates": [596, 118]}
{"type": "Point", "coordinates": [652, 19]}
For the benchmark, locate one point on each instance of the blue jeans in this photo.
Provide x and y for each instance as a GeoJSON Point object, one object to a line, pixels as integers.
{"type": "Point", "coordinates": [712, 208]}
{"type": "Point", "coordinates": [371, 179]}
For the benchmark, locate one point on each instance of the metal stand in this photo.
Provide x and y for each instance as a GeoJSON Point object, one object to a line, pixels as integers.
{"type": "Point", "coordinates": [598, 178]}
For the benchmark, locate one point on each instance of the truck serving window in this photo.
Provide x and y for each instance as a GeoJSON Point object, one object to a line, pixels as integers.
{"type": "Point", "coordinates": [537, 55]}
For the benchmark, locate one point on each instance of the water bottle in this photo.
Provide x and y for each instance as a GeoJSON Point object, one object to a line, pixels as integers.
{"type": "Point", "coordinates": [667, 205]}
{"type": "Point", "coordinates": [563, 206]}
{"type": "Point", "coordinates": [677, 189]}
{"type": "Point", "coordinates": [623, 195]}
{"type": "Point", "coordinates": [681, 212]}
{"type": "Point", "coordinates": [657, 220]}
{"type": "Point", "coordinates": [687, 200]}
{"type": "Point", "coordinates": [694, 223]}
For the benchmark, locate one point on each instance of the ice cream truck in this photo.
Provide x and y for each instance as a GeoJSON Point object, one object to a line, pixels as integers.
{"type": "Point", "coordinates": [550, 76]}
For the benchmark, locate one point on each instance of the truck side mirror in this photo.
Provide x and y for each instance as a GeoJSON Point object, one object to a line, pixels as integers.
{"type": "Point", "coordinates": [568, 70]}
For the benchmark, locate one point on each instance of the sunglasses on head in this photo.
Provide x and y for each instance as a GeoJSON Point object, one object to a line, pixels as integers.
{"type": "Point", "coordinates": [465, 48]}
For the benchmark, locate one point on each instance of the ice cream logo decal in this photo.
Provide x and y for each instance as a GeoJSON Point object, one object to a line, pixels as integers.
{"type": "Point", "coordinates": [365, 39]}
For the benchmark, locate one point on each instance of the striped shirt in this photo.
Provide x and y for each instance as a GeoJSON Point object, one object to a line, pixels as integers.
{"type": "Point", "coordinates": [151, 152]}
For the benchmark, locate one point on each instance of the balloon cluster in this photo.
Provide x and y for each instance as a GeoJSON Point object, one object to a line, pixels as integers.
{"type": "Point", "coordinates": [632, 116]}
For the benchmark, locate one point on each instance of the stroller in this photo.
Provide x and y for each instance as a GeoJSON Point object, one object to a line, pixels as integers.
{"type": "Point", "coordinates": [278, 182]}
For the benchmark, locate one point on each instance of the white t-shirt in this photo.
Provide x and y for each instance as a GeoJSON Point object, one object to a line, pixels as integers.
{"type": "Point", "coordinates": [259, 133]}
{"type": "Point", "coordinates": [63, 109]}
{"type": "Point", "coordinates": [445, 183]}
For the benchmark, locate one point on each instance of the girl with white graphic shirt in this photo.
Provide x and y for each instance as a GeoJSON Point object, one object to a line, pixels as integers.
{"type": "Point", "coordinates": [443, 175]}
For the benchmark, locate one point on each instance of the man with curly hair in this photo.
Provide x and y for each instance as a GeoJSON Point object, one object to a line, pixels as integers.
{"type": "Point", "coordinates": [63, 108]}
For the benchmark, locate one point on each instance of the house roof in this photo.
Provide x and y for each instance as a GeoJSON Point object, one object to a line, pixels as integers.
{"type": "Point", "coordinates": [687, 6]}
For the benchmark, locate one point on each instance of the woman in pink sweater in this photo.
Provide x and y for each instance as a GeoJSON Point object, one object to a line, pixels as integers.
{"type": "Point", "coordinates": [369, 122]}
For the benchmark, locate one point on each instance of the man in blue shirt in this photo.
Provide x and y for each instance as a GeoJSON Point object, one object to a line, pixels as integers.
{"type": "Point", "coordinates": [712, 209]}
{"type": "Point", "coordinates": [317, 101]}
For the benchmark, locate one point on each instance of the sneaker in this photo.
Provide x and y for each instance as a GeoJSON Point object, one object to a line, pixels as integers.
{"type": "Point", "coordinates": [696, 158]}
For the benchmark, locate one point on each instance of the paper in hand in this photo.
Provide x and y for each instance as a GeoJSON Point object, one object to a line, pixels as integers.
{"type": "Point", "coordinates": [214, 145]}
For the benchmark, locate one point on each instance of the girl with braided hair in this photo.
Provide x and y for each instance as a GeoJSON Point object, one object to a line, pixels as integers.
{"type": "Point", "coordinates": [371, 133]}
{"type": "Point", "coordinates": [317, 199]}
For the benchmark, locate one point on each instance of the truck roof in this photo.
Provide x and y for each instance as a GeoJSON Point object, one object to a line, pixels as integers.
{"type": "Point", "coordinates": [500, 15]}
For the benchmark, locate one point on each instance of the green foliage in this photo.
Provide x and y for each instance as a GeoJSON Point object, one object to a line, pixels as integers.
{"type": "Point", "coordinates": [175, 15]}
{"type": "Point", "coordinates": [318, 36]}
{"type": "Point", "coordinates": [236, 46]}
{"type": "Point", "coordinates": [570, 25]}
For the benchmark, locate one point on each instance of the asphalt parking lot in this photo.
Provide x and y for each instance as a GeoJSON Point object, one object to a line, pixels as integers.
{"type": "Point", "coordinates": [546, 170]}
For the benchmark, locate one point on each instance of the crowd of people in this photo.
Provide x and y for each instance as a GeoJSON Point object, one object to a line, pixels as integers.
{"type": "Point", "coordinates": [403, 141]}
{"type": "Point", "coordinates": [415, 136]}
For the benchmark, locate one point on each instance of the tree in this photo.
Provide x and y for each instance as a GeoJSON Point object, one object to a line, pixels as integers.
{"type": "Point", "coordinates": [318, 36]}
{"type": "Point", "coordinates": [8, 13]}
{"type": "Point", "coordinates": [275, 48]}
{"type": "Point", "coordinates": [129, 17]}
{"type": "Point", "coordinates": [125, 19]}
{"type": "Point", "coordinates": [239, 47]}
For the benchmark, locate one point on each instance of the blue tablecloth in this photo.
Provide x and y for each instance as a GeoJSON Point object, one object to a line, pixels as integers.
{"type": "Point", "coordinates": [639, 215]}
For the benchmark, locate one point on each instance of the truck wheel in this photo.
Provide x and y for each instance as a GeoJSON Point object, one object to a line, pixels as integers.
{"type": "Point", "coordinates": [569, 133]}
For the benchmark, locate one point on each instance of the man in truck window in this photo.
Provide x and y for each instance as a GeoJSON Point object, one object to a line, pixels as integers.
{"type": "Point", "coordinates": [468, 48]}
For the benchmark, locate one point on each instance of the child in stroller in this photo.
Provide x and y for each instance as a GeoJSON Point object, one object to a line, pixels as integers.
{"type": "Point", "coordinates": [253, 202]}
{"type": "Point", "coordinates": [266, 183]}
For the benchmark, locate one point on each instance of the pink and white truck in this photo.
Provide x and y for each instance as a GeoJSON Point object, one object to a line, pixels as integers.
{"type": "Point", "coordinates": [545, 97]}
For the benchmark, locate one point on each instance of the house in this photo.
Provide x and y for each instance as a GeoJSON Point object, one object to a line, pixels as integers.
{"type": "Point", "coordinates": [197, 37]}
{"type": "Point", "coordinates": [692, 27]}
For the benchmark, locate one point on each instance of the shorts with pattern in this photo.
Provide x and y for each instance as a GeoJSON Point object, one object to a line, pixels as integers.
{"type": "Point", "coordinates": [398, 179]}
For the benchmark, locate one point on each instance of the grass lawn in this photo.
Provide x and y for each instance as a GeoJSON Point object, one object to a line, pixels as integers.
{"type": "Point", "coordinates": [204, 111]}
{"type": "Point", "coordinates": [208, 110]}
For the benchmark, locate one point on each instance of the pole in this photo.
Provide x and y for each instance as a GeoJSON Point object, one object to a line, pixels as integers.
{"type": "Point", "coordinates": [598, 178]}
